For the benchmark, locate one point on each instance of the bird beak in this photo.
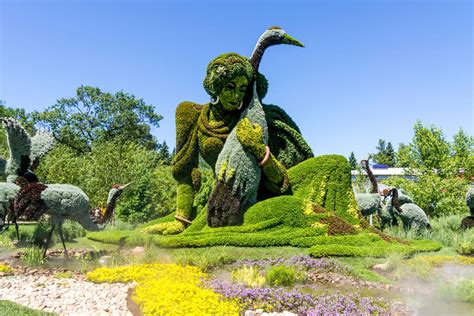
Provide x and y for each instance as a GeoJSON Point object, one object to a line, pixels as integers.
{"type": "Point", "coordinates": [125, 185]}
{"type": "Point", "coordinates": [291, 41]}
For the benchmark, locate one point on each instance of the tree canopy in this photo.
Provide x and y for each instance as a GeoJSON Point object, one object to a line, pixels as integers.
{"type": "Point", "coordinates": [95, 116]}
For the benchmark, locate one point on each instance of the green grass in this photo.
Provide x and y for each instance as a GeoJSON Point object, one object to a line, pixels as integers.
{"type": "Point", "coordinates": [10, 308]}
{"type": "Point", "coordinates": [361, 269]}
{"type": "Point", "coordinates": [445, 230]}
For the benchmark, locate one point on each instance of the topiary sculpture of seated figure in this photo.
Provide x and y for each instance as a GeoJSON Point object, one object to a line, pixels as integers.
{"type": "Point", "coordinates": [289, 168]}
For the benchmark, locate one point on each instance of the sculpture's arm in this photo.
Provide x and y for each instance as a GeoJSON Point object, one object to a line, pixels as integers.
{"type": "Point", "coordinates": [185, 162]}
{"type": "Point", "coordinates": [275, 175]}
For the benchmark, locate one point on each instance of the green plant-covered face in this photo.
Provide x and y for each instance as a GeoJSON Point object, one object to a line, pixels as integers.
{"type": "Point", "coordinates": [232, 94]}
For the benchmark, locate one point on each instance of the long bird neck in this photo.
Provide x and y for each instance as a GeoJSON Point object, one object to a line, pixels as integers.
{"type": "Point", "coordinates": [373, 181]}
{"type": "Point", "coordinates": [109, 209]}
{"type": "Point", "coordinates": [258, 52]}
{"type": "Point", "coordinates": [395, 202]}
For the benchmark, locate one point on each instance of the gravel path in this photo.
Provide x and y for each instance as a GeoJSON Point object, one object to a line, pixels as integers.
{"type": "Point", "coordinates": [71, 296]}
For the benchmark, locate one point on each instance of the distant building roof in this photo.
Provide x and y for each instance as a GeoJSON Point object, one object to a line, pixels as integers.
{"type": "Point", "coordinates": [384, 172]}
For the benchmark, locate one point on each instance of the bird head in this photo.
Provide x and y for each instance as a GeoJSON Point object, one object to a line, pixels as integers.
{"type": "Point", "coordinates": [116, 191]}
{"type": "Point", "coordinates": [276, 35]}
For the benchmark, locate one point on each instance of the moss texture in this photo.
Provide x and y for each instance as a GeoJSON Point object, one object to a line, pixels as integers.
{"type": "Point", "coordinates": [283, 221]}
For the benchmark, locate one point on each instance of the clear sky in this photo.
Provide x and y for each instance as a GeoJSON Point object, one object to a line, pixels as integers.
{"type": "Point", "coordinates": [368, 71]}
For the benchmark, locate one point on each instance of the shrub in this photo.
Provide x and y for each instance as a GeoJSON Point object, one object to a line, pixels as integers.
{"type": "Point", "coordinates": [437, 196]}
{"type": "Point", "coordinates": [281, 275]}
{"type": "Point", "coordinates": [151, 195]}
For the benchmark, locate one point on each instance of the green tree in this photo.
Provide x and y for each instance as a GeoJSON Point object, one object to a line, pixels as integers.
{"type": "Point", "coordinates": [385, 154]}
{"type": "Point", "coordinates": [403, 156]}
{"type": "Point", "coordinates": [164, 153]}
{"type": "Point", "coordinates": [430, 151]}
{"type": "Point", "coordinates": [353, 161]}
{"type": "Point", "coordinates": [462, 148]}
{"type": "Point", "coordinates": [438, 190]}
{"type": "Point", "coordinates": [93, 116]}
{"type": "Point", "coordinates": [151, 195]}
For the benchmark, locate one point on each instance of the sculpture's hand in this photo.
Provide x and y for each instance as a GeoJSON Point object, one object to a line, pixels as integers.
{"type": "Point", "coordinates": [250, 135]}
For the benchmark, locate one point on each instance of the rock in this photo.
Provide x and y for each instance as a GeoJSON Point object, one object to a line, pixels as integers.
{"type": "Point", "coordinates": [104, 260]}
{"type": "Point", "coordinates": [138, 250]}
{"type": "Point", "coordinates": [381, 266]}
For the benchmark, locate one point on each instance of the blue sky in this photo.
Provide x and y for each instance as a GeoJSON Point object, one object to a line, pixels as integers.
{"type": "Point", "coordinates": [368, 71]}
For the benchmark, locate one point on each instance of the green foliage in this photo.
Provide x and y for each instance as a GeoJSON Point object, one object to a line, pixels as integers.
{"type": "Point", "coordinates": [93, 116]}
{"type": "Point", "coordinates": [462, 290]}
{"type": "Point", "coordinates": [326, 181]}
{"type": "Point", "coordinates": [444, 230]}
{"type": "Point", "coordinates": [164, 154]}
{"type": "Point", "coordinates": [386, 154]}
{"type": "Point", "coordinates": [403, 156]}
{"type": "Point", "coordinates": [437, 196]}
{"type": "Point", "coordinates": [281, 276]}
{"type": "Point", "coordinates": [429, 152]}
{"type": "Point", "coordinates": [151, 195]}
{"type": "Point", "coordinates": [33, 256]}
{"type": "Point", "coordinates": [373, 250]}
{"type": "Point", "coordinates": [10, 308]}
{"type": "Point", "coordinates": [353, 161]}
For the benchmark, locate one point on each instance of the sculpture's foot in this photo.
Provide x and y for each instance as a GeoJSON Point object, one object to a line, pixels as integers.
{"type": "Point", "coordinates": [169, 228]}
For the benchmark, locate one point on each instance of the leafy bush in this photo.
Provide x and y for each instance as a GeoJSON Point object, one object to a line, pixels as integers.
{"type": "Point", "coordinates": [151, 195]}
{"type": "Point", "coordinates": [435, 195]}
{"type": "Point", "coordinates": [281, 275]}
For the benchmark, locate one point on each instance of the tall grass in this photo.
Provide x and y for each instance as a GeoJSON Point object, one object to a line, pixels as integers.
{"type": "Point", "coordinates": [445, 230]}
{"type": "Point", "coordinates": [33, 256]}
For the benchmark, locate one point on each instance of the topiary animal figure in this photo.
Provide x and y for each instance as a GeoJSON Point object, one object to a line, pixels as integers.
{"type": "Point", "coordinates": [369, 203]}
{"type": "Point", "coordinates": [238, 171]}
{"type": "Point", "coordinates": [385, 213]}
{"type": "Point", "coordinates": [468, 221]}
{"type": "Point", "coordinates": [411, 215]}
{"type": "Point", "coordinates": [25, 154]}
{"type": "Point", "coordinates": [25, 151]}
{"type": "Point", "coordinates": [61, 202]}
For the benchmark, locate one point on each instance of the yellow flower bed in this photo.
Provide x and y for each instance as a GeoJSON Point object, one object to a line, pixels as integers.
{"type": "Point", "coordinates": [5, 269]}
{"type": "Point", "coordinates": [168, 289]}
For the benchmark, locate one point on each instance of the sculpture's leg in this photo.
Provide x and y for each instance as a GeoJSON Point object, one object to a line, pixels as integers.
{"type": "Point", "coordinates": [326, 181]}
{"type": "Point", "coordinates": [48, 240]}
{"type": "Point", "coordinates": [17, 231]}
{"type": "Point", "coordinates": [60, 231]}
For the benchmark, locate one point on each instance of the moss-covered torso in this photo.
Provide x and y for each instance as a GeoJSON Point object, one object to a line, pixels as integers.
{"type": "Point", "coordinates": [198, 134]}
